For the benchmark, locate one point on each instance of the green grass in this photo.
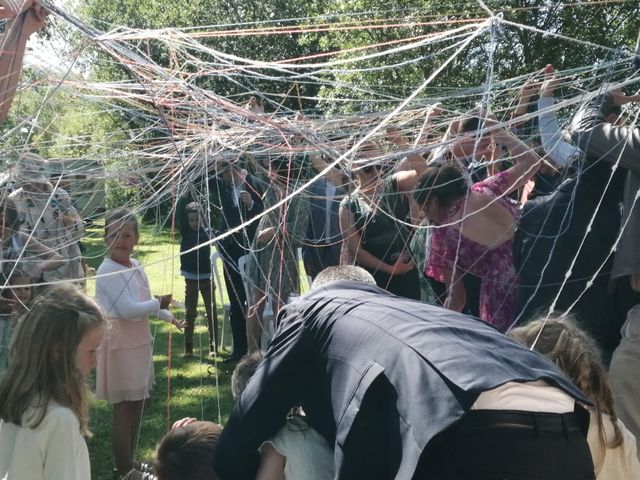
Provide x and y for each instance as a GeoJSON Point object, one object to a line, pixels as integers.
{"type": "Point", "coordinates": [198, 387]}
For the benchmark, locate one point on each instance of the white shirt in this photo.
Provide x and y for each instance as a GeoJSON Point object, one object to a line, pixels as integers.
{"type": "Point", "coordinates": [618, 463]}
{"type": "Point", "coordinates": [536, 396]}
{"type": "Point", "coordinates": [308, 456]}
{"type": "Point", "coordinates": [561, 152]}
{"type": "Point", "coordinates": [55, 450]}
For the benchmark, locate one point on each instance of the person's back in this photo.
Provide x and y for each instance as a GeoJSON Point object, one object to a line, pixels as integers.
{"type": "Point", "coordinates": [380, 376]}
{"type": "Point", "coordinates": [576, 353]}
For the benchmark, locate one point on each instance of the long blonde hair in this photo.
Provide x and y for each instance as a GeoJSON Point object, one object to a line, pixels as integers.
{"type": "Point", "coordinates": [576, 353]}
{"type": "Point", "coordinates": [42, 358]}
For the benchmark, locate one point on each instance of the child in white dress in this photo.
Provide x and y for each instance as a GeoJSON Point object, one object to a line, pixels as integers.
{"type": "Point", "coordinates": [125, 372]}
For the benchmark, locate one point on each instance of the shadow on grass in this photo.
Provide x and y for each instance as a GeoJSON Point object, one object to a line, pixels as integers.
{"type": "Point", "coordinates": [195, 392]}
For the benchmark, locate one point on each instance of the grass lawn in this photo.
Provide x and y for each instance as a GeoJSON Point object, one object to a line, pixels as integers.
{"type": "Point", "coordinates": [198, 386]}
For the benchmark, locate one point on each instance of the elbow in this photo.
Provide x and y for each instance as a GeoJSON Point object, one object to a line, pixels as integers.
{"type": "Point", "coordinates": [56, 261]}
{"type": "Point", "coordinates": [457, 297]}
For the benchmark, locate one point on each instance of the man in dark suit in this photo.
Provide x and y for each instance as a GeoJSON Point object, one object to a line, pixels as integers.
{"type": "Point", "coordinates": [407, 390]}
{"type": "Point", "coordinates": [236, 197]}
{"type": "Point", "coordinates": [572, 230]}
{"type": "Point", "coordinates": [324, 238]}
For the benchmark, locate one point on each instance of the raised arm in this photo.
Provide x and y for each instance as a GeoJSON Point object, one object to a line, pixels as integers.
{"type": "Point", "coordinates": [598, 138]}
{"type": "Point", "coordinates": [559, 151]}
{"type": "Point", "coordinates": [524, 99]}
{"type": "Point", "coordinates": [413, 161]}
{"type": "Point", "coordinates": [29, 17]}
{"type": "Point", "coordinates": [526, 160]}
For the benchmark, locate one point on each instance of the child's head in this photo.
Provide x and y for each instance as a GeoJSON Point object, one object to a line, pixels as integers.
{"type": "Point", "coordinates": [8, 217]}
{"type": "Point", "coordinates": [121, 234]}
{"type": "Point", "coordinates": [188, 452]}
{"type": "Point", "coordinates": [243, 372]}
{"type": "Point", "coordinates": [18, 286]}
{"type": "Point", "coordinates": [54, 347]}
{"type": "Point", "coordinates": [193, 212]}
{"type": "Point", "coordinates": [576, 353]}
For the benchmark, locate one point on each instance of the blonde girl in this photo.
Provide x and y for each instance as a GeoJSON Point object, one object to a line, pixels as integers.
{"type": "Point", "coordinates": [576, 353]}
{"type": "Point", "coordinates": [44, 401]}
{"type": "Point", "coordinates": [125, 372]}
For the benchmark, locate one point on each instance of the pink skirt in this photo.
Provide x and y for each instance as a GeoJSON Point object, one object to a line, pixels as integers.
{"type": "Point", "coordinates": [124, 374]}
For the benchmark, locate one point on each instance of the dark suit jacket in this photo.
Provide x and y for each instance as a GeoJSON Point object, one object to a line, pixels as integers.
{"type": "Point", "coordinates": [335, 344]}
{"type": "Point", "coordinates": [227, 215]}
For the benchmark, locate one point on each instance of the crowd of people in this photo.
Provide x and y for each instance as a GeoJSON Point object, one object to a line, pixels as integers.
{"type": "Point", "coordinates": [426, 347]}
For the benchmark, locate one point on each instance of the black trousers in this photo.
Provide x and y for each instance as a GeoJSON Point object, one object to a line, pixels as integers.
{"type": "Point", "coordinates": [237, 304]}
{"type": "Point", "coordinates": [487, 445]}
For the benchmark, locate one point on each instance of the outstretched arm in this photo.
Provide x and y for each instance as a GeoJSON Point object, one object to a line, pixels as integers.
{"type": "Point", "coordinates": [600, 139]}
{"type": "Point", "coordinates": [414, 161]}
{"type": "Point", "coordinates": [29, 18]}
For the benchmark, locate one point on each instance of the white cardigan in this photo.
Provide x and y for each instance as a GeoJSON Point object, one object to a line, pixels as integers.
{"type": "Point", "coordinates": [55, 450]}
{"type": "Point", "coordinates": [123, 295]}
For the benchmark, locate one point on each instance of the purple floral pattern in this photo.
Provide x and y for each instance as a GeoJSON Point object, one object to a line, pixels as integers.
{"type": "Point", "coordinates": [499, 280]}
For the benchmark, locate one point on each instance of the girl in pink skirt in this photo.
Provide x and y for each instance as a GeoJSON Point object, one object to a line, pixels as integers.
{"type": "Point", "coordinates": [125, 373]}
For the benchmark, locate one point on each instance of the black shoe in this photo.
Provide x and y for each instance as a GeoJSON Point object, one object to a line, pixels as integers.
{"type": "Point", "coordinates": [234, 357]}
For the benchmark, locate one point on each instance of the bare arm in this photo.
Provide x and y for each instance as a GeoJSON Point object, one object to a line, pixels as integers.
{"type": "Point", "coordinates": [524, 99]}
{"type": "Point", "coordinates": [408, 180]}
{"type": "Point", "coordinates": [52, 260]}
{"type": "Point", "coordinates": [334, 175]}
{"type": "Point", "coordinates": [271, 464]}
{"type": "Point", "coordinates": [28, 19]}
{"type": "Point", "coordinates": [413, 161]}
{"type": "Point", "coordinates": [457, 294]}
{"type": "Point", "coordinates": [527, 161]}
{"type": "Point", "coordinates": [353, 240]}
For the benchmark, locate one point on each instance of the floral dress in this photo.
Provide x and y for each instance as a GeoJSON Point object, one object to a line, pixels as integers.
{"type": "Point", "coordinates": [54, 221]}
{"type": "Point", "coordinates": [494, 266]}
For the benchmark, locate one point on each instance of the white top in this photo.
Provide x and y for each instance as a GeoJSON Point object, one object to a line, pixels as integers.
{"type": "Point", "coordinates": [120, 295]}
{"type": "Point", "coordinates": [308, 455]}
{"type": "Point", "coordinates": [55, 450]}
{"type": "Point", "coordinates": [620, 463]}
{"type": "Point", "coordinates": [561, 152]}
{"type": "Point", "coordinates": [528, 397]}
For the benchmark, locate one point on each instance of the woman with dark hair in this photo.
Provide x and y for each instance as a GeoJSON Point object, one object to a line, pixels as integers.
{"type": "Point", "coordinates": [273, 264]}
{"type": "Point", "coordinates": [375, 223]}
{"type": "Point", "coordinates": [476, 226]}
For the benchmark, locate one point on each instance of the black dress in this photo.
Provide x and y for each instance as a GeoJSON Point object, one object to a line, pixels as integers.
{"type": "Point", "coordinates": [385, 235]}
